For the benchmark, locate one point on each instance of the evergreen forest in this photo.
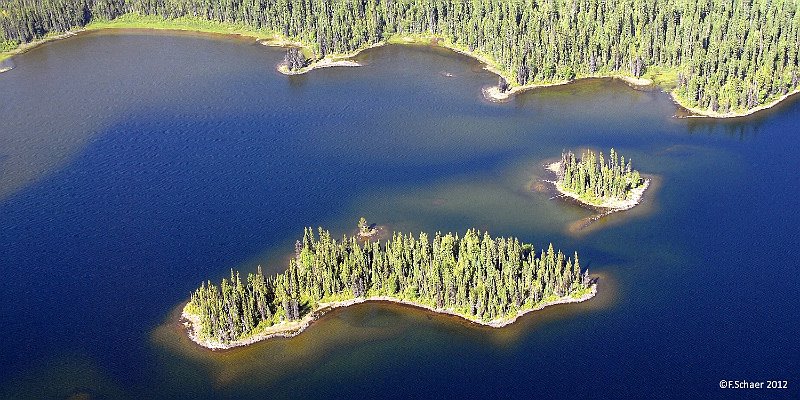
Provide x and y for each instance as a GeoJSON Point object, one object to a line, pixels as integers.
{"type": "Point", "coordinates": [714, 55]}
{"type": "Point", "coordinates": [476, 276]}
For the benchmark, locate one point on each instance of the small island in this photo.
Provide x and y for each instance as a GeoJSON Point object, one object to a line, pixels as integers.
{"type": "Point", "coordinates": [367, 230]}
{"type": "Point", "coordinates": [486, 280]}
{"type": "Point", "coordinates": [607, 183]}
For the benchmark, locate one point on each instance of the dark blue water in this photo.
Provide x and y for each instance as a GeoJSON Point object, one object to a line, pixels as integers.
{"type": "Point", "coordinates": [133, 167]}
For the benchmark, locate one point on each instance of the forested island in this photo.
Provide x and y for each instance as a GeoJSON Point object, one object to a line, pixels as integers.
{"type": "Point", "coordinates": [597, 181]}
{"type": "Point", "coordinates": [718, 58]}
{"type": "Point", "coordinates": [490, 281]}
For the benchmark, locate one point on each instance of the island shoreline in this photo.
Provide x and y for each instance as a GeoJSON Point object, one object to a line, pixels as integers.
{"type": "Point", "coordinates": [291, 329]}
{"type": "Point", "coordinates": [608, 208]}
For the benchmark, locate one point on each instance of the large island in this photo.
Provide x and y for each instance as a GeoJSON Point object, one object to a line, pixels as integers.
{"type": "Point", "coordinates": [490, 281]}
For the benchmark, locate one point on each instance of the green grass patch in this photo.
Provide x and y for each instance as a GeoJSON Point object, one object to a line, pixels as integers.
{"type": "Point", "coordinates": [136, 21]}
{"type": "Point", "coordinates": [342, 296]}
{"type": "Point", "coordinates": [410, 39]}
{"type": "Point", "coordinates": [549, 299]}
{"type": "Point", "coordinates": [8, 45]}
{"type": "Point", "coordinates": [580, 293]}
{"type": "Point", "coordinates": [665, 77]}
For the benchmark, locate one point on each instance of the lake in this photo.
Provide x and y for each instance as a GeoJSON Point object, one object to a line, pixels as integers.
{"type": "Point", "coordinates": [134, 166]}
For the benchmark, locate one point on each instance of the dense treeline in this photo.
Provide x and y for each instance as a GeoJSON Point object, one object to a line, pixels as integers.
{"type": "Point", "coordinates": [722, 55]}
{"type": "Point", "coordinates": [597, 178]}
{"type": "Point", "coordinates": [475, 275]}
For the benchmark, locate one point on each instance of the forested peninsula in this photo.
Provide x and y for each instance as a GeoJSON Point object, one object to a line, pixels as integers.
{"type": "Point", "coordinates": [605, 182]}
{"type": "Point", "coordinates": [716, 58]}
{"type": "Point", "coordinates": [490, 281]}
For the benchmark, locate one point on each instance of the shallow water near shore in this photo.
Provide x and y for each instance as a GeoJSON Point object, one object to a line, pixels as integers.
{"type": "Point", "coordinates": [135, 166]}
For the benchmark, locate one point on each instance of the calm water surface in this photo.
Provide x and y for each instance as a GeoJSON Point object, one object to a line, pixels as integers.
{"type": "Point", "coordinates": [134, 166]}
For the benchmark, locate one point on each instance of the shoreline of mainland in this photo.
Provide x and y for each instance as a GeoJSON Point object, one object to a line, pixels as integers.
{"type": "Point", "coordinates": [25, 47]}
{"type": "Point", "coordinates": [610, 205]}
{"type": "Point", "coordinates": [332, 60]}
{"type": "Point", "coordinates": [491, 93]}
{"type": "Point", "coordinates": [191, 322]}
{"type": "Point", "coordinates": [699, 113]}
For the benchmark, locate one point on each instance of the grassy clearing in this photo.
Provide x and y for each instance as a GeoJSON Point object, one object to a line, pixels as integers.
{"type": "Point", "coordinates": [410, 39]}
{"type": "Point", "coordinates": [664, 77]}
{"type": "Point", "coordinates": [135, 21]}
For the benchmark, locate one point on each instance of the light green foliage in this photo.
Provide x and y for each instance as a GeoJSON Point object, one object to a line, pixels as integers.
{"type": "Point", "coordinates": [722, 56]}
{"type": "Point", "coordinates": [481, 277]}
{"type": "Point", "coordinates": [363, 226]}
{"type": "Point", "coordinates": [595, 179]}
{"type": "Point", "coordinates": [665, 77]}
{"type": "Point", "coordinates": [8, 45]}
